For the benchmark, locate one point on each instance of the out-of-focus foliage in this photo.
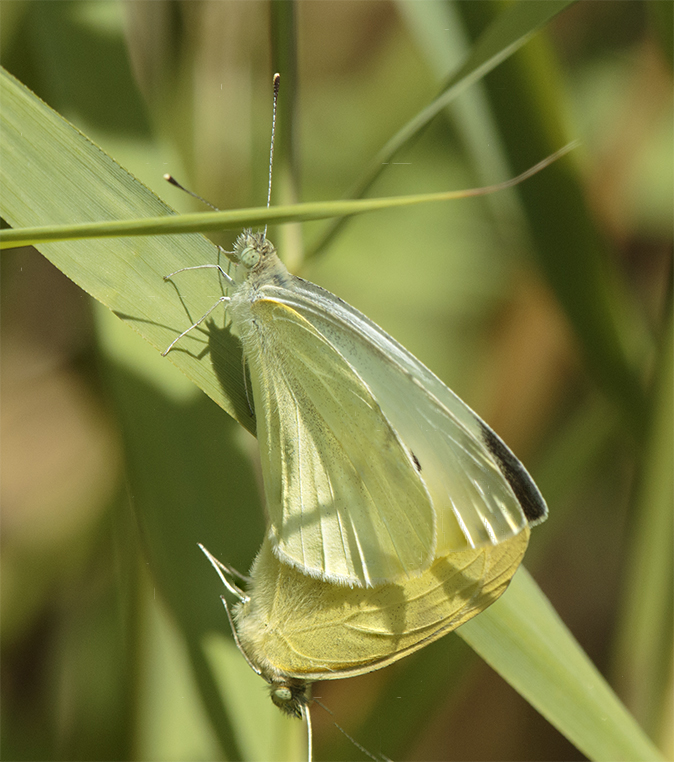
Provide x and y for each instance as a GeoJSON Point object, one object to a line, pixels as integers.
{"type": "Point", "coordinates": [94, 665]}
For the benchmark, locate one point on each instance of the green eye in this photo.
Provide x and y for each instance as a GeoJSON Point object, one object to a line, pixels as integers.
{"type": "Point", "coordinates": [249, 257]}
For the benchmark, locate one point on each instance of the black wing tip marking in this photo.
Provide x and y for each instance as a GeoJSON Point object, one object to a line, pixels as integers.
{"type": "Point", "coordinates": [526, 492]}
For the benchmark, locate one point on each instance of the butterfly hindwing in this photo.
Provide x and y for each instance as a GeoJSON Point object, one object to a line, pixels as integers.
{"type": "Point", "coordinates": [306, 628]}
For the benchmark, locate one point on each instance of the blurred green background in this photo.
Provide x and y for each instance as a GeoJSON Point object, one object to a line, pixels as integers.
{"type": "Point", "coordinates": [106, 448]}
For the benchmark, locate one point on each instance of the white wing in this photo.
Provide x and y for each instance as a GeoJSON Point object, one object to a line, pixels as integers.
{"type": "Point", "coordinates": [481, 493]}
{"type": "Point", "coordinates": [346, 501]}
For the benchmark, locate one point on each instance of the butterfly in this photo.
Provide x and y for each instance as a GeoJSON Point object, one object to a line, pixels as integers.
{"type": "Point", "coordinates": [372, 467]}
{"type": "Point", "coordinates": [294, 629]}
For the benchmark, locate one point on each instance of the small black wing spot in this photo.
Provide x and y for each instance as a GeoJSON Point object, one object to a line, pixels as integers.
{"type": "Point", "coordinates": [416, 461]}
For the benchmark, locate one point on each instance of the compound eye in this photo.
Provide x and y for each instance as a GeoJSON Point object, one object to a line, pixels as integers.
{"type": "Point", "coordinates": [290, 699]}
{"type": "Point", "coordinates": [249, 257]}
{"type": "Point", "coordinates": [283, 693]}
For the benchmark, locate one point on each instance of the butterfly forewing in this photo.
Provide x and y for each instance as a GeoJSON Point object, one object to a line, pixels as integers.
{"type": "Point", "coordinates": [346, 502]}
{"type": "Point", "coordinates": [474, 491]}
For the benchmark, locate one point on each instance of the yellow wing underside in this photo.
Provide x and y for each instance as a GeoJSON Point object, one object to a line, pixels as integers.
{"type": "Point", "coordinates": [305, 628]}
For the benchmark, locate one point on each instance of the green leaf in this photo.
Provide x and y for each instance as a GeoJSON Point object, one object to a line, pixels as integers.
{"type": "Point", "coordinates": [51, 173]}
{"type": "Point", "coordinates": [525, 641]}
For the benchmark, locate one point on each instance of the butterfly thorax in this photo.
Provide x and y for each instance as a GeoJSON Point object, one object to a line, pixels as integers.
{"type": "Point", "coordinates": [258, 266]}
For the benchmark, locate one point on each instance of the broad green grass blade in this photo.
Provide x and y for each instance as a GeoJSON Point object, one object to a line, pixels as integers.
{"type": "Point", "coordinates": [51, 173]}
{"type": "Point", "coordinates": [526, 642]}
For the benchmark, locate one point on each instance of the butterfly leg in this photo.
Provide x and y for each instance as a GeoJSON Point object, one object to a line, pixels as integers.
{"type": "Point", "coordinates": [226, 276]}
{"type": "Point", "coordinates": [221, 300]}
{"type": "Point", "coordinates": [220, 568]}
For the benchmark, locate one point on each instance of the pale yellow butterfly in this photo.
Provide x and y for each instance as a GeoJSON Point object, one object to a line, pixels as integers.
{"type": "Point", "coordinates": [372, 467]}
{"type": "Point", "coordinates": [294, 629]}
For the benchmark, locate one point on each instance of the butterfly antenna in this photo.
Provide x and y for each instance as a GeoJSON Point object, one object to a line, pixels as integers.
{"type": "Point", "coordinates": [346, 735]}
{"type": "Point", "coordinates": [235, 635]}
{"type": "Point", "coordinates": [277, 84]}
{"type": "Point", "coordinates": [306, 713]}
{"type": "Point", "coordinates": [173, 181]}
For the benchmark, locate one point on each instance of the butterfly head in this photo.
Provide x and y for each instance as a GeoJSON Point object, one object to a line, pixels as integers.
{"type": "Point", "coordinates": [251, 249]}
{"type": "Point", "coordinates": [290, 696]}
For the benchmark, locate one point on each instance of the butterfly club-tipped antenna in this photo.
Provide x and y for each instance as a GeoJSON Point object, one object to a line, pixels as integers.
{"type": "Point", "coordinates": [277, 85]}
{"type": "Point", "coordinates": [170, 179]}
{"type": "Point", "coordinates": [228, 279]}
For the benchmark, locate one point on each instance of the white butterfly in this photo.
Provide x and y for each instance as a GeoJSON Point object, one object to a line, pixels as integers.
{"type": "Point", "coordinates": [372, 467]}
